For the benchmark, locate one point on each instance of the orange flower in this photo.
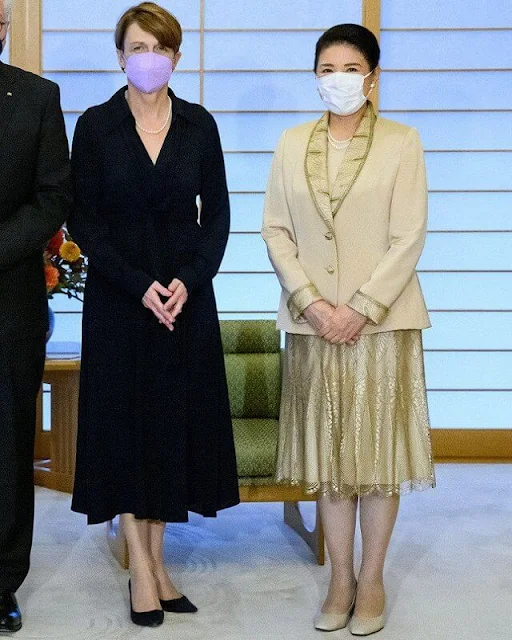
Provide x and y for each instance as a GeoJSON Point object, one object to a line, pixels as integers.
{"type": "Point", "coordinates": [51, 275]}
{"type": "Point", "coordinates": [55, 243]}
{"type": "Point", "coordinates": [70, 251]}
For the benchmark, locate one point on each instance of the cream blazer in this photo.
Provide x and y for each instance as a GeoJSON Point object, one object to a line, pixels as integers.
{"type": "Point", "coordinates": [360, 243]}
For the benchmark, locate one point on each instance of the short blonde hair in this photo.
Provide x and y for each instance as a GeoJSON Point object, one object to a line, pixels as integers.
{"type": "Point", "coordinates": [155, 20]}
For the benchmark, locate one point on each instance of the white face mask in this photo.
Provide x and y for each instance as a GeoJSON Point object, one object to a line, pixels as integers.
{"type": "Point", "coordinates": [342, 92]}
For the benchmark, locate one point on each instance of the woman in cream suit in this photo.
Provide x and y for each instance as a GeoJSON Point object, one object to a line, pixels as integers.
{"type": "Point", "coordinates": [345, 222]}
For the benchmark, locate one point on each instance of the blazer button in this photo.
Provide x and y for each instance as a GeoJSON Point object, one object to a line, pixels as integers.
{"type": "Point", "coordinates": [330, 268]}
{"type": "Point", "coordinates": [328, 236]}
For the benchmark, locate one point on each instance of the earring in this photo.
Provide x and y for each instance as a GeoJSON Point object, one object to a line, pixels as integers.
{"type": "Point", "coordinates": [372, 85]}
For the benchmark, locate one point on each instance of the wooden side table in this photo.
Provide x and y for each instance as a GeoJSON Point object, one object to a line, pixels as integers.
{"type": "Point", "coordinates": [63, 374]}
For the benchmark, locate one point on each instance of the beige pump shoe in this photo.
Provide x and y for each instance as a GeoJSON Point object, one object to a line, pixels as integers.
{"type": "Point", "coordinates": [334, 621]}
{"type": "Point", "coordinates": [367, 626]}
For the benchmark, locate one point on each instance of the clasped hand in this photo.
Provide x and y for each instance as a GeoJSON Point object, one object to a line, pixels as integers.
{"type": "Point", "coordinates": [338, 325]}
{"type": "Point", "coordinates": [168, 310]}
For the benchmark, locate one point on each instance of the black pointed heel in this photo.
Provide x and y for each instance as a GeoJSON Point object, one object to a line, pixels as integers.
{"type": "Point", "coordinates": [145, 618]}
{"type": "Point", "coordinates": [178, 605]}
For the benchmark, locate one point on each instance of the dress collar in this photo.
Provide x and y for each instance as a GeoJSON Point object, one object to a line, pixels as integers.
{"type": "Point", "coordinates": [118, 109]}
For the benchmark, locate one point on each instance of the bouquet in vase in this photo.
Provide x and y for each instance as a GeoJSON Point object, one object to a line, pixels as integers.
{"type": "Point", "coordinates": [65, 267]}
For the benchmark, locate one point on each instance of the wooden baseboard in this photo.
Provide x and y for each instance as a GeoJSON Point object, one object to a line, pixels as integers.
{"type": "Point", "coordinates": [472, 445]}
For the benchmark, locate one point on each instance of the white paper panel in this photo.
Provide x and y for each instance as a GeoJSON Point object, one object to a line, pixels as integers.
{"type": "Point", "coordinates": [257, 131]}
{"type": "Point", "coordinates": [469, 331]}
{"type": "Point", "coordinates": [246, 253]}
{"type": "Point", "coordinates": [467, 290]}
{"type": "Point", "coordinates": [246, 212]}
{"type": "Point", "coordinates": [268, 14]}
{"type": "Point", "coordinates": [453, 131]}
{"type": "Point", "coordinates": [470, 211]}
{"type": "Point", "coordinates": [470, 171]}
{"type": "Point", "coordinates": [468, 370]}
{"type": "Point", "coordinates": [261, 91]}
{"type": "Point", "coordinates": [68, 327]}
{"type": "Point", "coordinates": [446, 13]}
{"type": "Point", "coordinates": [476, 410]}
{"type": "Point", "coordinates": [102, 14]}
{"type": "Point", "coordinates": [446, 90]}
{"type": "Point", "coordinates": [96, 51]}
{"type": "Point", "coordinates": [260, 50]}
{"type": "Point", "coordinates": [248, 171]}
{"type": "Point", "coordinates": [467, 251]}
{"type": "Point", "coordinates": [446, 49]}
{"type": "Point", "coordinates": [247, 292]}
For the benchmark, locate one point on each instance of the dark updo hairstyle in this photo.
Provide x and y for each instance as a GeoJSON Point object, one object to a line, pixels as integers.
{"type": "Point", "coordinates": [354, 35]}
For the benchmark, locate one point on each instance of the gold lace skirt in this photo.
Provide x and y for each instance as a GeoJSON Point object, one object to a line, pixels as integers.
{"type": "Point", "coordinates": [354, 420]}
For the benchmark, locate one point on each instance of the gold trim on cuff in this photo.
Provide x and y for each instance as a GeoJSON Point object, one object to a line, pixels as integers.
{"type": "Point", "coordinates": [375, 311]}
{"type": "Point", "coordinates": [302, 298]}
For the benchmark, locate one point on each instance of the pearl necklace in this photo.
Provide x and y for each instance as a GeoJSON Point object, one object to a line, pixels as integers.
{"type": "Point", "coordinates": [162, 127]}
{"type": "Point", "coordinates": [337, 144]}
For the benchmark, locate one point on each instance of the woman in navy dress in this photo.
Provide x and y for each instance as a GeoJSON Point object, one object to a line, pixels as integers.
{"type": "Point", "coordinates": [152, 214]}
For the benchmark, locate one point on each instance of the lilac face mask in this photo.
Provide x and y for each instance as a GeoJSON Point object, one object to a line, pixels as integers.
{"type": "Point", "coordinates": [148, 72]}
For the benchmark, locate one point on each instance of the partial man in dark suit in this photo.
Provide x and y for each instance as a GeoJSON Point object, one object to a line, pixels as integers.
{"type": "Point", "coordinates": [35, 198]}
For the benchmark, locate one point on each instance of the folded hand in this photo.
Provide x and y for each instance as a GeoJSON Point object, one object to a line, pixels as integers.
{"type": "Point", "coordinates": [344, 326]}
{"type": "Point", "coordinates": [178, 296]}
{"type": "Point", "coordinates": [152, 301]}
{"type": "Point", "coordinates": [318, 315]}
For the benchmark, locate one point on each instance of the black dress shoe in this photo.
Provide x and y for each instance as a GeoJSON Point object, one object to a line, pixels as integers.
{"type": "Point", "coordinates": [178, 605]}
{"type": "Point", "coordinates": [145, 618]}
{"type": "Point", "coordinates": [10, 614]}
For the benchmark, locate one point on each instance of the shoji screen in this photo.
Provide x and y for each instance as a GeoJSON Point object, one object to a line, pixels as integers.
{"type": "Point", "coordinates": [250, 63]}
{"type": "Point", "coordinates": [447, 70]}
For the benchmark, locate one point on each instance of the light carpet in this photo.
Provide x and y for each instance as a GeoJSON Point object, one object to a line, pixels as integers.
{"type": "Point", "coordinates": [449, 571]}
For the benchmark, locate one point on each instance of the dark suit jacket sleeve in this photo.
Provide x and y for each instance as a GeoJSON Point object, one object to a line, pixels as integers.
{"type": "Point", "coordinates": [34, 223]}
{"type": "Point", "coordinates": [215, 216]}
{"type": "Point", "coordinates": [86, 224]}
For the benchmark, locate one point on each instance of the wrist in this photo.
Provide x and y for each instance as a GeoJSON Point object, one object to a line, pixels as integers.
{"type": "Point", "coordinates": [314, 308]}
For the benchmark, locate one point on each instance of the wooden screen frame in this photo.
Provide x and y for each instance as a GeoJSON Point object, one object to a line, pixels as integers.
{"type": "Point", "coordinates": [372, 21]}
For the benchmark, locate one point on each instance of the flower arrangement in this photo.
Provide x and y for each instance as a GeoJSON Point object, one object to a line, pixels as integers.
{"type": "Point", "coordinates": [65, 267]}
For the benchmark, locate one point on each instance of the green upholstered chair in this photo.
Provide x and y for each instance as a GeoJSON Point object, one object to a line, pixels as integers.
{"type": "Point", "coordinates": [252, 351]}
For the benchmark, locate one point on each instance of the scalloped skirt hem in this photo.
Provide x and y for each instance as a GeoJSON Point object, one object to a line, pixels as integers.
{"type": "Point", "coordinates": [345, 491]}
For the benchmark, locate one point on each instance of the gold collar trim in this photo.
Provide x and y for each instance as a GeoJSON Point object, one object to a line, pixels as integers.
{"type": "Point", "coordinates": [328, 204]}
